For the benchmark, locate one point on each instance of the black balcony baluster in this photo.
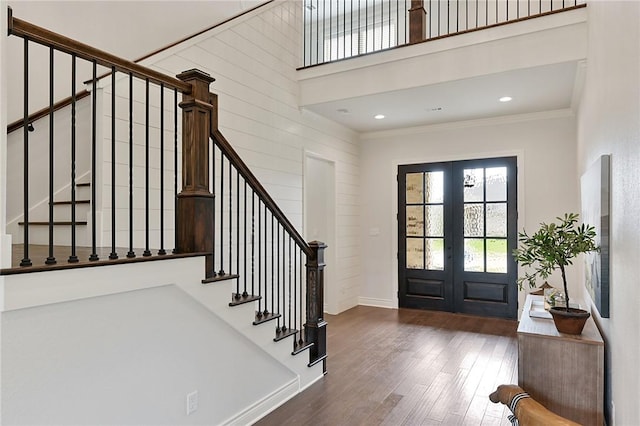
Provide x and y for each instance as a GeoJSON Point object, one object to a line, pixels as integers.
{"type": "Point", "coordinates": [273, 237]}
{"type": "Point", "coordinates": [253, 249]}
{"type": "Point", "coordinates": [244, 292]}
{"type": "Point", "coordinates": [51, 260]}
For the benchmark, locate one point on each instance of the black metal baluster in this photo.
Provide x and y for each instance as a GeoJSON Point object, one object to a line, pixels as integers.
{"type": "Point", "coordinates": [344, 27]}
{"type": "Point", "coordinates": [131, 253]}
{"type": "Point", "coordinates": [51, 260]}
{"type": "Point", "coordinates": [301, 302]}
{"type": "Point", "coordinates": [231, 217]}
{"type": "Point", "coordinates": [273, 236]}
{"type": "Point", "coordinates": [279, 283]}
{"type": "Point", "coordinates": [397, 23]}
{"type": "Point", "coordinates": [213, 190]}
{"type": "Point", "coordinates": [146, 252]}
{"type": "Point", "coordinates": [175, 169]}
{"type": "Point", "coordinates": [448, 18]}
{"type": "Point", "coordinates": [331, 26]}
{"type": "Point", "coordinates": [162, 251]}
{"type": "Point", "coordinates": [366, 26]}
{"type": "Point", "coordinates": [304, 36]}
{"type": "Point", "coordinates": [73, 258]}
{"type": "Point", "coordinates": [253, 249]}
{"type": "Point", "coordinates": [289, 294]}
{"type": "Point", "coordinates": [295, 284]}
{"type": "Point", "coordinates": [25, 129]}
{"type": "Point", "coordinates": [113, 255]}
{"type": "Point", "coordinates": [221, 215]}
{"type": "Point", "coordinates": [94, 146]}
{"type": "Point", "coordinates": [266, 263]}
{"type": "Point", "coordinates": [439, 17]}
{"type": "Point", "coordinates": [244, 279]}
{"type": "Point", "coordinates": [430, 19]}
{"type": "Point", "coordinates": [318, 33]}
{"type": "Point", "coordinates": [244, 292]}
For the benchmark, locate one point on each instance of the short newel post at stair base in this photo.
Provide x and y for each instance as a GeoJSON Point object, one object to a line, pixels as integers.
{"type": "Point", "coordinates": [316, 326]}
{"type": "Point", "coordinates": [194, 216]}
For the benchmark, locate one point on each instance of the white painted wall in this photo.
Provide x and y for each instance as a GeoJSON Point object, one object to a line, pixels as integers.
{"type": "Point", "coordinates": [547, 185]}
{"type": "Point", "coordinates": [253, 60]}
{"type": "Point", "coordinates": [609, 123]}
{"type": "Point", "coordinates": [319, 221]}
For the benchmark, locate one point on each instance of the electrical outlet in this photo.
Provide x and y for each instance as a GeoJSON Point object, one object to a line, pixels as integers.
{"type": "Point", "coordinates": [192, 402]}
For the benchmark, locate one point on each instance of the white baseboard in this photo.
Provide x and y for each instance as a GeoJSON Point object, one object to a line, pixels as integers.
{"type": "Point", "coordinates": [252, 414]}
{"type": "Point", "coordinates": [379, 303]}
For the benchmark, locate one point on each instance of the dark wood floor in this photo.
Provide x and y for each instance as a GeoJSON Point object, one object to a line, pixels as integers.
{"type": "Point", "coordinates": [408, 367]}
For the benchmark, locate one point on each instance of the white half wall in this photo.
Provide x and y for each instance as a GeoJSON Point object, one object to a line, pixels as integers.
{"type": "Point", "coordinates": [609, 123]}
{"type": "Point", "coordinates": [544, 143]}
{"type": "Point", "coordinates": [130, 358]}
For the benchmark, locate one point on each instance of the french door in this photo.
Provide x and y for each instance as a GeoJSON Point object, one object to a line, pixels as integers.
{"type": "Point", "coordinates": [457, 227]}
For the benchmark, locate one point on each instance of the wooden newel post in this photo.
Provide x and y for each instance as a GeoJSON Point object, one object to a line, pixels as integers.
{"type": "Point", "coordinates": [194, 217]}
{"type": "Point", "coordinates": [417, 22]}
{"type": "Point", "coordinates": [316, 327]}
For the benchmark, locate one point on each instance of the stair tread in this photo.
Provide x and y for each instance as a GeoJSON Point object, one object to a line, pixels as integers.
{"type": "Point", "coordinates": [239, 299]}
{"type": "Point", "coordinates": [300, 346]}
{"type": "Point", "coordinates": [262, 318]}
{"type": "Point", "coordinates": [217, 278]}
{"type": "Point", "coordinates": [68, 223]}
{"type": "Point", "coordinates": [280, 335]}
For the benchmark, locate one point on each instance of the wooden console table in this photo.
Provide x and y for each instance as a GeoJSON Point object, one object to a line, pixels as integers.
{"type": "Point", "coordinates": [564, 373]}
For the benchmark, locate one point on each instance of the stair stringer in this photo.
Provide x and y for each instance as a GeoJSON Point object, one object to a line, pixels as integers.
{"type": "Point", "coordinates": [216, 296]}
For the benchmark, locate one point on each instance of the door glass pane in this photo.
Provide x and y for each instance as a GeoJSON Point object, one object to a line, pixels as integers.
{"type": "Point", "coordinates": [415, 221]}
{"type": "Point", "coordinates": [415, 253]}
{"type": "Point", "coordinates": [496, 182]}
{"type": "Point", "coordinates": [434, 184]}
{"type": "Point", "coordinates": [435, 221]}
{"type": "Point", "coordinates": [435, 254]}
{"type": "Point", "coordinates": [473, 185]}
{"type": "Point", "coordinates": [474, 220]}
{"type": "Point", "coordinates": [474, 255]}
{"type": "Point", "coordinates": [414, 188]}
{"type": "Point", "coordinates": [497, 256]}
{"type": "Point", "coordinates": [497, 220]}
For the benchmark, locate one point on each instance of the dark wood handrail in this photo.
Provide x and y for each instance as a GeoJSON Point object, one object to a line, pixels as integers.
{"type": "Point", "coordinates": [40, 35]}
{"type": "Point", "coordinates": [44, 112]}
{"type": "Point", "coordinates": [257, 187]}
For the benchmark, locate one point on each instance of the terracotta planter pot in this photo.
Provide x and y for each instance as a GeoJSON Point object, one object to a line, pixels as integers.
{"type": "Point", "coordinates": [569, 322]}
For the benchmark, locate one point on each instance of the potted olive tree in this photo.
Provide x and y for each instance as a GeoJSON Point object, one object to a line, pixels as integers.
{"type": "Point", "coordinates": [553, 247]}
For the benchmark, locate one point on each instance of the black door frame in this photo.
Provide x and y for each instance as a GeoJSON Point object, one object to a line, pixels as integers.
{"type": "Point", "coordinates": [456, 300]}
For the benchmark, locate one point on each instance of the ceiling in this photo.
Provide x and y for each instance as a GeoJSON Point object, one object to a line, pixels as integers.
{"type": "Point", "coordinates": [129, 29]}
{"type": "Point", "coordinates": [542, 88]}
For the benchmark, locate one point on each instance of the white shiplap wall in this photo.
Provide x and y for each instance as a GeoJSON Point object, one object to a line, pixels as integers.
{"type": "Point", "coordinates": [254, 59]}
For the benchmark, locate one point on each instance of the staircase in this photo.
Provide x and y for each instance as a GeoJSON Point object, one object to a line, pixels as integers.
{"type": "Point", "coordinates": [259, 275]}
{"type": "Point", "coordinates": [63, 219]}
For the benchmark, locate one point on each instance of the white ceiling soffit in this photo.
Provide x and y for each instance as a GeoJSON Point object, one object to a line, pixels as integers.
{"type": "Point", "coordinates": [129, 29]}
{"type": "Point", "coordinates": [536, 89]}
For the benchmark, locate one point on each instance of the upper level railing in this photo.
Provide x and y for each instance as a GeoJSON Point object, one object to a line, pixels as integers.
{"type": "Point", "coordinates": [340, 29]}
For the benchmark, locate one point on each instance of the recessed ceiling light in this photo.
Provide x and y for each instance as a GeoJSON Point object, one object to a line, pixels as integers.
{"type": "Point", "coordinates": [379, 116]}
{"type": "Point", "coordinates": [505, 99]}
